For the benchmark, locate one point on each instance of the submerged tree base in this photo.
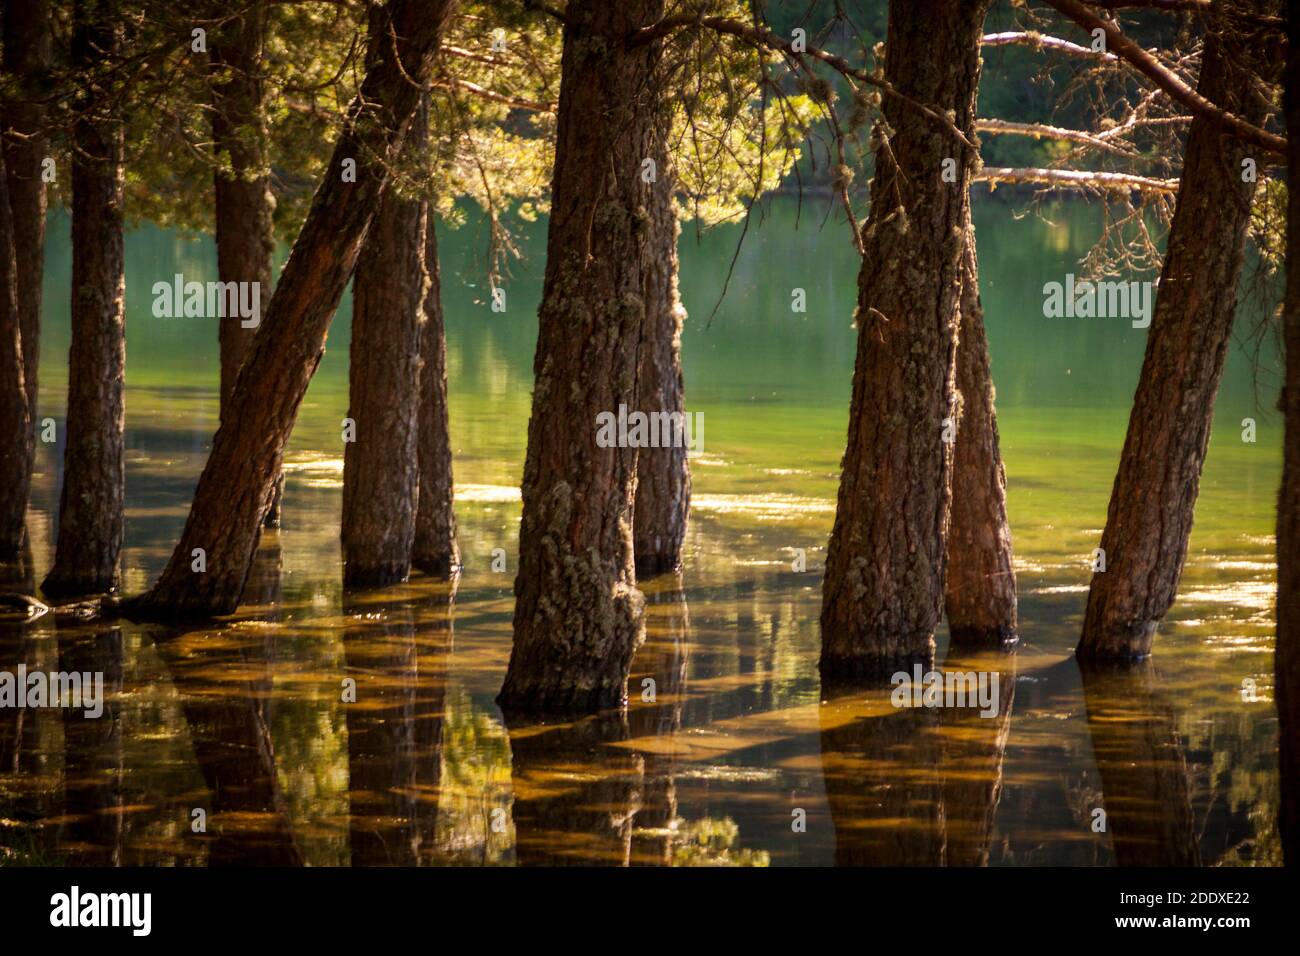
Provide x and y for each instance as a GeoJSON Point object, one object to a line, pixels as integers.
{"type": "Point", "coordinates": [992, 638]}
{"type": "Point", "coordinates": [872, 668]}
{"type": "Point", "coordinates": [1119, 641]}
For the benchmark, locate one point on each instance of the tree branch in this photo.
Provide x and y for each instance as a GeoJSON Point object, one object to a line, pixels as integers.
{"type": "Point", "coordinates": [759, 36]}
{"type": "Point", "coordinates": [1081, 179]}
{"type": "Point", "coordinates": [1042, 131]}
{"type": "Point", "coordinates": [1148, 66]}
{"type": "Point", "coordinates": [1041, 41]}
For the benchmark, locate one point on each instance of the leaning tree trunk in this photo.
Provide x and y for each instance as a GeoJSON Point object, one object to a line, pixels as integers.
{"type": "Point", "coordinates": [980, 587]}
{"type": "Point", "coordinates": [94, 473]}
{"type": "Point", "coordinates": [1287, 659]}
{"type": "Point", "coordinates": [1154, 495]}
{"type": "Point", "coordinates": [15, 410]}
{"type": "Point", "coordinates": [578, 613]}
{"type": "Point", "coordinates": [883, 588]}
{"type": "Point", "coordinates": [380, 476]}
{"type": "Point", "coordinates": [435, 550]}
{"type": "Point", "coordinates": [245, 206]}
{"type": "Point", "coordinates": [235, 489]}
{"type": "Point", "coordinates": [26, 65]}
{"type": "Point", "coordinates": [663, 477]}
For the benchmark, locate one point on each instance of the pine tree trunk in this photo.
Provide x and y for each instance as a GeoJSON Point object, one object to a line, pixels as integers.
{"type": "Point", "coordinates": [94, 473]}
{"type": "Point", "coordinates": [1154, 495]}
{"type": "Point", "coordinates": [245, 206]}
{"type": "Point", "coordinates": [15, 410]}
{"type": "Point", "coordinates": [883, 588]}
{"type": "Point", "coordinates": [27, 45]}
{"type": "Point", "coordinates": [980, 587]}
{"type": "Point", "coordinates": [663, 477]}
{"type": "Point", "coordinates": [435, 551]}
{"type": "Point", "coordinates": [235, 489]}
{"type": "Point", "coordinates": [578, 613]}
{"type": "Point", "coordinates": [1287, 660]}
{"type": "Point", "coordinates": [380, 474]}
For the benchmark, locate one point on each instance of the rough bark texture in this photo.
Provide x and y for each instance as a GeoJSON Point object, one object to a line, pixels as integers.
{"type": "Point", "coordinates": [245, 206]}
{"type": "Point", "coordinates": [578, 612]}
{"type": "Point", "coordinates": [94, 473]}
{"type": "Point", "coordinates": [380, 476]}
{"type": "Point", "coordinates": [883, 588]}
{"type": "Point", "coordinates": [980, 587]}
{"type": "Point", "coordinates": [1154, 495]}
{"type": "Point", "coordinates": [663, 477]}
{"type": "Point", "coordinates": [27, 46]}
{"type": "Point", "coordinates": [235, 489]}
{"type": "Point", "coordinates": [15, 409]}
{"type": "Point", "coordinates": [1287, 660]}
{"type": "Point", "coordinates": [1143, 770]}
{"type": "Point", "coordinates": [435, 550]}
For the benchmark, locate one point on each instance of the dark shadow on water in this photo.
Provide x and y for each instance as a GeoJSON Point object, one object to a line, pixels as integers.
{"type": "Point", "coordinates": [1144, 775]}
{"type": "Point", "coordinates": [395, 726]}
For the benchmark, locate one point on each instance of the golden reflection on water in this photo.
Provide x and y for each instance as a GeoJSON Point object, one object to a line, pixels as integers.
{"type": "Point", "coordinates": [320, 728]}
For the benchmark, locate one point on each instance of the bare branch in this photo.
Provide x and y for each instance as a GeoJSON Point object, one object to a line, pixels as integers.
{"type": "Point", "coordinates": [1148, 66]}
{"type": "Point", "coordinates": [1040, 41]}
{"type": "Point", "coordinates": [1080, 179]}
{"type": "Point", "coordinates": [1042, 131]}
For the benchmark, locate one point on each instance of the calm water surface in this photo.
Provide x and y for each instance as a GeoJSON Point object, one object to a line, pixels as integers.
{"type": "Point", "coordinates": [244, 720]}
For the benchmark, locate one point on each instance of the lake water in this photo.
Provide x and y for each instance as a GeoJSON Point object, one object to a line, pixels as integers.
{"type": "Point", "coordinates": [238, 730]}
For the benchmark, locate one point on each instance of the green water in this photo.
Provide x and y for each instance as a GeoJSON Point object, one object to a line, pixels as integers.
{"type": "Point", "coordinates": [422, 767]}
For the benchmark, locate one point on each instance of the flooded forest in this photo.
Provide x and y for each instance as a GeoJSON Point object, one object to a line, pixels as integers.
{"type": "Point", "coordinates": [745, 433]}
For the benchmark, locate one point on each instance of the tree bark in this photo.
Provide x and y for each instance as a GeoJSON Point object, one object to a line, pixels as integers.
{"type": "Point", "coordinates": [94, 473]}
{"type": "Point", "coordinates": [380, 473]}
{"type": "Point", "coordinates": [235, 489]}
{"type": "Point", "coordinates": [435, 550]}
{"type": "Point", "coordinates": [15, 408]}
{"type": "Point", "coordinates": [27, 46]}
{"type": "Point", "coordinates": [244, 204]}
{"type": "Point", "coordinates": [883, 588]}
{"type": "Point", "coordinates": [1154, 495]}
{"type": "Point", "coordinates": [578, 613]}
{"type": "Point", "coordinates": [1287, 656]}
{"type": "Point", "coordinates": [663, 480]}
{"type": "Point", "coordinates": [980, 587]}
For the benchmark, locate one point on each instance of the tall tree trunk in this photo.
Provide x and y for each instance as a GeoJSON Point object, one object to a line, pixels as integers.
{"type": "Point", "coordinates": [435, 550]}
{"type": "Point", "coordinates": [245, 206]}
{"type": "Point", "coordinates": [15, 409]}
{"type": "Point", "coordinates": [94, 472]}
{"type": "Point", "coordinates": [663, 477]}
{"type": "Point", "coordinates": [578, 613]}
{"type": "Point", "coordinates": [1287, 659]}
{"type": "Point", "coordinates": [1154, 495]}
{"type": "Point", "coordinates": [380, 475]}
{"type": "Point", "coordinates": [980, 587]}
{"type": "Point", "coordinates": [235, 489]}
{"type": "Point", "coordinates": [27, 46]}
{"type": "Point", "coordinates": [883, 588]}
